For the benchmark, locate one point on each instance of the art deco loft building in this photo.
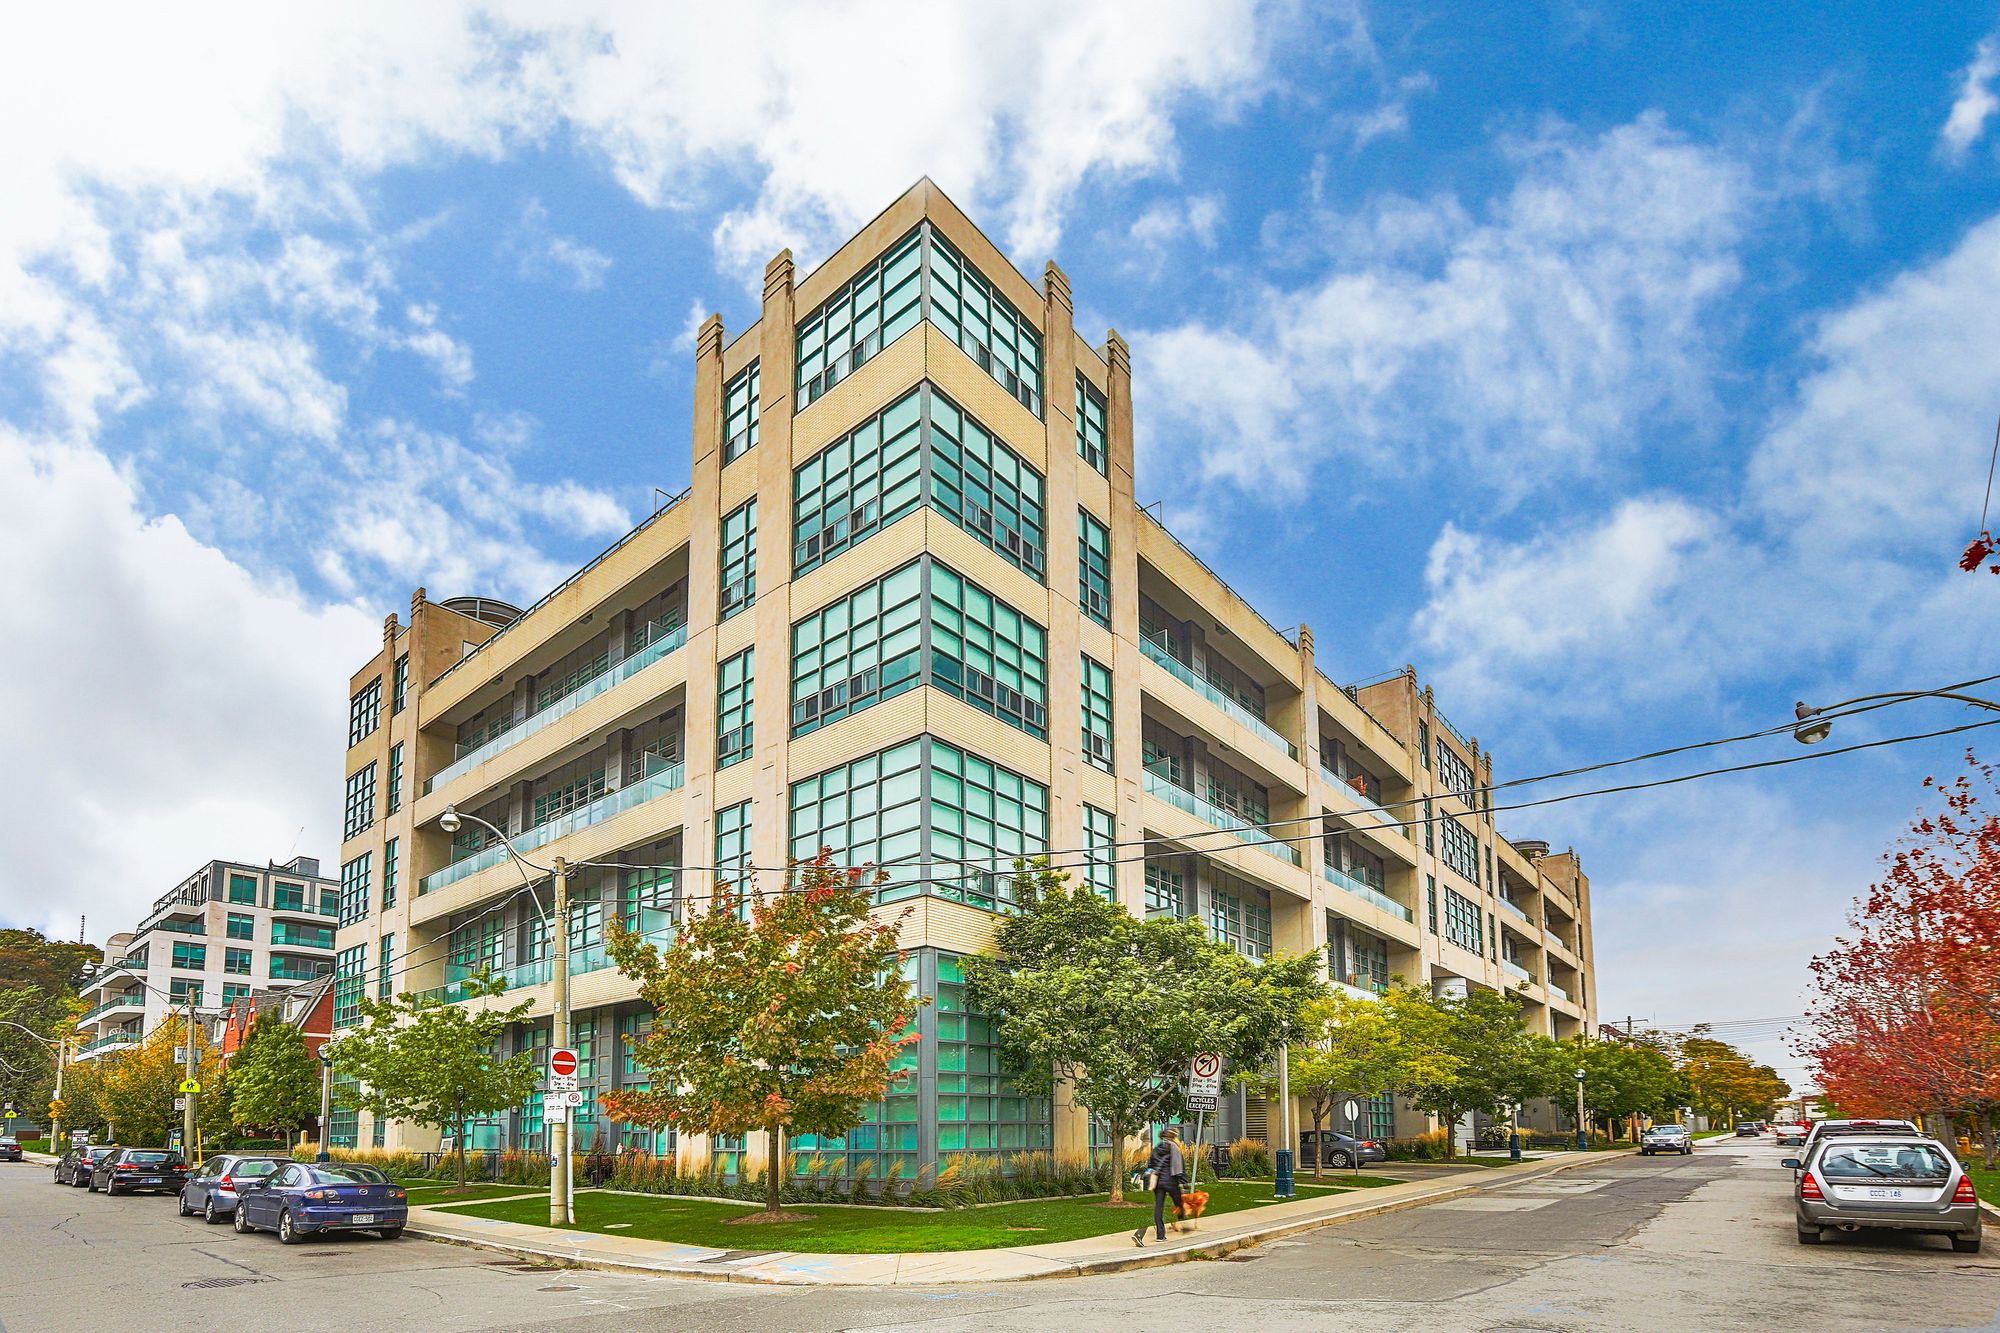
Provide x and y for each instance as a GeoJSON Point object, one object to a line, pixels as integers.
{"type": "Point", "coordinates": [909, 609]}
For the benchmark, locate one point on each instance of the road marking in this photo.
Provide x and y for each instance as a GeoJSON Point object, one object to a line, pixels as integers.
{"type": "Point", "coordinates": [1493, 1203]}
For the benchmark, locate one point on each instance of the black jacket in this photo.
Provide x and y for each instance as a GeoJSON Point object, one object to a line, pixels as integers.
{"type": "Point", "coordinates": [1167, 1164]}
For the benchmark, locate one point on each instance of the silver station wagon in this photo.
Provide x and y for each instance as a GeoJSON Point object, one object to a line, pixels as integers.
{"type": "Point", "coordinates": [1896, 1181]}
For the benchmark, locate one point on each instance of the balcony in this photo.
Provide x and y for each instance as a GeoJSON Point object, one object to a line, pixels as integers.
{"type": "Point", "coordinates": [299, 937]}
{"type": "Point", "coordinates": [1361, 888]}
{"type": "Point", "coordinates": [125, 965]}
{"type": "Point", "coordinates": [616, 674]}
{"type": "Point", "coordinates": [298, 971]}
{"type": "Point", "coordinates": [1362, 988]}
{"type": "Point", "coordinates": [1509, 906]}
{"type": "Point", "coordinates": [1518, 972]}
{"type": "Point", "coordinates": [607, 806]}
{"type": "Point", "coordinates": [109, 1040]}
{"type": "Point", "coordinates": [1184, 673]}
{"type": "Point", "coordinates": [180, 927]}
{"type": "Point", "coordinates": [135, 1000]}
{"type": "Point", "coordinates": [1210, 813]}
{"type": "Point", "coordinates": [1387, 822]}
{"type": "Point", "coordinates": [1555, 939]}
{"type": "Point", "coordinates": [1560, 993]}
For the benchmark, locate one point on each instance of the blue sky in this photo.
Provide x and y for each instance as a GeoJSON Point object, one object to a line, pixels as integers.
{"type": "Point", "coordinates": [1626, 370]}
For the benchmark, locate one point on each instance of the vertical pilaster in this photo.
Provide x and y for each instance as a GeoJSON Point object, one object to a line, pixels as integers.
{"type": "Point", "coordinates": [772, 702]}
{"type": "Point", "coordinates": [1124, 523]}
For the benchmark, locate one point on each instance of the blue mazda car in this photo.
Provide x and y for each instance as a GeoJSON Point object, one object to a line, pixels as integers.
{"type": "Point", "coordinates": [300, 1198]}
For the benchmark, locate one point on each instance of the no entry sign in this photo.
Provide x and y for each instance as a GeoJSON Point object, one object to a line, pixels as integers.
{"type": "Point", "coordinates": [562, 1061]}
{"type": "Point", "coordinates": [1204, 1081]}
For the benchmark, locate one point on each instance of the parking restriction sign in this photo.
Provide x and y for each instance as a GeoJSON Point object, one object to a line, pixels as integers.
{"type": "Point", "coordinates": [1204, 1082]}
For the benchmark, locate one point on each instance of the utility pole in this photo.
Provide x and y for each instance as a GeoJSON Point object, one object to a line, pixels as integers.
{"type": "Point", "coordinates": [558, 1126]}
{"type": "Point", "coordinates": [325, 1103]}
{"type": "Point", "coordinates": [55, 1121]}
{"type": "Point", "coordinates": [188, 1099]}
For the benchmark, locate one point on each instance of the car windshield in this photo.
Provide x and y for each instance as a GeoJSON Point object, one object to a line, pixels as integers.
{"type": "Point", "coordinates": [253, 1169]}
{"type": "Point", "coordinates": [1876, 1161]}
{"type": "Point", "coordinates": [1667, 1130]}
{"type": "Point", "coordinates": [150, 1156]}
{"type": "Point", "coordinates": [349, 1175]}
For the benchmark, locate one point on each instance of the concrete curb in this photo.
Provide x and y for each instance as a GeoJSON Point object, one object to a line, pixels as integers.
{"type": "Point", "coordinates": [1030, 1265]}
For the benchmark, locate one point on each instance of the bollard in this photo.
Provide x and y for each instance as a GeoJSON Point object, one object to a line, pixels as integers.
{"type": "Point", "coordinates": [1286, 1189]}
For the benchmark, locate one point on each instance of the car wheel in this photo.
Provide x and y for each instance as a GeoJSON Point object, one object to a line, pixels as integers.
{"type": "Point", "coordinates": [396, 1233]}
{"type": "Point", "coordinates": [1340, 1159]}
{"type": "Point", "coordinates": [109, 1189]}
{"type": "Point", "coordinates": [287, 1233]}
{"type": "Point", "coordinates": [240, 1219]}
{"type": "Point", "coordinates": [1965, 1244]}
{"type": "Point", "coordinates": [90, 1183]}
{"type": "Point", "coordinates": [208, 1213]}
{"type": "Point", "coordinates": [1809, 1235]}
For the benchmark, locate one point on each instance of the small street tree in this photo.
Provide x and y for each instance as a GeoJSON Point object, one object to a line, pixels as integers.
{"type": "Point", "coordinates": [1464, 1054]}
{"type": "Point", "coordinates": [1621, 1079]}
{"type": "Point", "coordinates": [420, 1059]}
{"type": "Point", "coordinates": [1086, 994]}
{"type": "Point", "coordinates": [1348, 1048]}
{"type": "Point", "coordinates": [1722, 1082]}
{"type": "Point", "coordinates": [779, 1014]}
{"type": "Point", "coordinates": [273, 1079]}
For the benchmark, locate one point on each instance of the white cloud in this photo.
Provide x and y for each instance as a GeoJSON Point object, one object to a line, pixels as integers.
{"type": "Point", "coordinates": [540, 252]}
{"type": "Point", "coordinates": [162, 706]}
{"type": "Point", "coordinates": [1524, 343]}
{"type": "Point", "coordinates": [1975, 103]}
{"type": "Point", "coordinates": [1173, 221]}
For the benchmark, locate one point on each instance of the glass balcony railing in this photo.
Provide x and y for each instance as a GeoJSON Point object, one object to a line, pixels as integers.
{"type": "Point", "coordinates": [136, 1000]}
{"type": "Point", "coordinates": [1185, 674]}
{"type": "Point", "coordinates": [604, 807]}
{"type": "Point", "coordinates": [298, 971]}
{"type": "Point", "coordinates": [1382, 817]}
{"type": "Point", "coordinates": [1514, 909]}
{"type": "Point", "coordinates": [180, 927]}
{"type": "Point", "coordinates": [314, 937]}
{"type": "Point", "coordinates": [616, 674]}
{"type": "Point", "coordinates": [1361, 888]}
{"type": "Point", "coordinates": [110, 1039]}
{"type": "Point", "coordinates": [1182, 799]}
{"type": "Point", "coordinates": [1514, 969]}
{"type": "Point", "coordinates": [124, 965]}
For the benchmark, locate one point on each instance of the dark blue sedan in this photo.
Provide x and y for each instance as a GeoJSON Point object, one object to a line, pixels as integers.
{"type": "Point", "coordinates": [299, 1199]}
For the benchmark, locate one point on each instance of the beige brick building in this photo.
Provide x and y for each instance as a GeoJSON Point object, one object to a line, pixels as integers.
{"type": "Point", "coordinates": [909, 608]}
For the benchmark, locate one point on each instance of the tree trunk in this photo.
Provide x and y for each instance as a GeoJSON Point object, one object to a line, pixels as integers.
{"type": "Point", "coordinates": [458, 1151]}
{"type": "Point", "coordinates": [774, 1169]}
{"type": "Point", "coordinates": [1319, 1150]}
{"type": "Point", "coordinates": [1986, 1137]}
{"type": "Point", "coordinates": [1117, 1162]}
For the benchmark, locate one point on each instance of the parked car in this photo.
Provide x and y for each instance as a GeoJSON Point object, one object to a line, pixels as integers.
{"type": "Point", "coordinates": [211, 1188]}
{"type": "Point", "coordinates": [297, 1200]}
{"type": "Point", "coordinates": [1747, 1130]}
{"type": "Point", "coordinates": [10, 1149]}
{"type": "Point", "coordinates": [75, 1166]}
{"type": "Point", "coordinates": [1341, 1149]}
{"type": "Point", "coordinates": [1791, 1133]}
{"type": "Point", "coordinates": [129, 1170]}
{"type": "Point", "coordinates": [1899, 1181]}
{"type": "Point", "coordinates": [1666, 1138]}
{"type": "Point", "coordinates": [1824, 1129]}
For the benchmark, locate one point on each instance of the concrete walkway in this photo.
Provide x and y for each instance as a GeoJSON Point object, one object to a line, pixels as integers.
{"type": "Point", "coordinates": [1098, 1254]}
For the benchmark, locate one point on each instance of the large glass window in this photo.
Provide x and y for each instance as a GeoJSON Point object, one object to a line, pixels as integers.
{"type": "Point", "coordinates": [1455, 774]}
{"type": "Point", "coordinates": [1461, 922]}
{"type": "Point", "coordinates": [364, 712]}
{"type": "Point", "coordinates": [236, 962]}
{"type": "Point", "coordinates": [1166, 889]}
{"type": "Point", "coordinates": [733, 706]}
{"type": "Point", "coordinates": [732, 844]}
{"type": "Point", "coordinates": [1093, 554]}
{"type": "Point", "coordinates": [971, 312]}
{"type": "Point", "coordinates": [575, 784]}
{"type": "Point", "coordinates": [1097, 714]}
{"type": "Point", "coordinates": [1100, 840]}
{"type": "Point", "coordinates": [1461, 848]}
{"type": "Point", "coordinates": [925, 800]}
{"type": "Point", "coordinates": [243, 888]}
{"type": "Point", "coordinates": [1237, 794]}
{"type": "Point", "coordinates": [389, 874]}
{"type": "Point", "coordinates": [1241, 919]}
{"type": "Point", "coordinates": [350, 969]}
{"type": "Point", "coordinates": [739, 414]}
{"type": "Point", "coordinates": [1092, 439]}
{"type": "Point", "coordinates": [354, 882]}
{"type": "Point", "coordinates": [184, 990]}
{"type": "Point", "coordinates": [288, 897]}
{"type": "Point", "coordinates": [360, 810]}
{"type": "Point", "coordinates": [861, 482]}
{"type": "Point", "coordinates": [190, 957]}
{"type": "Point", "coordinates": [399, 690]}
{"type": "Point", "coordinates": [860, 650]}
{"type": "Point", "coordinates": [985, 487]}
{"type": "Point", "coordinates": [874, 308]}
{"type": "Point", "coordinates": [394, 798]}
{"type": "Point", "coordinates": [385, 968]}
{"type": "Point", "coordinates": [978, 1109]}
{"type": "Point", "coordinates": [987, 653]}
{"type": "Point", "coordinates": [241, 926]}
{"type": "Point", "coordinates": [739, 559]}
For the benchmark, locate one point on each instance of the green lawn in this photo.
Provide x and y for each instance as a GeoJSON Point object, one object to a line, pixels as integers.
{"type": "Point", "coordinates": [1985, 1181]}
{"type": "Point", "coordinates": [424, 1193]}
{"type": "Point", "coordinates": [855, 1230]}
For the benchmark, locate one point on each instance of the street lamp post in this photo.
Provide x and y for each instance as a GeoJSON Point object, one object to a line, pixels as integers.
{"type": "Point", "coordinates": [1582, 1145]}
{"type": "Point", "coordinates": [325, 1104]}
{"type": "Point", "coordinates": [1814, 727]}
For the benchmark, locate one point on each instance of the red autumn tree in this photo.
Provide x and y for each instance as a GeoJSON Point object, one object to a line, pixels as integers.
{"type": "Point", "coordinates": [778, 1013]}
{"type": "Point", "coordinates": [1907, 1014]}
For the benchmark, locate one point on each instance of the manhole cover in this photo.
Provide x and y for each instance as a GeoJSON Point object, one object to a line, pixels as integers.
{"type": "Point", "coordinates": [560, 1286]}
{"type": "Point", "coordinates": [208, 1282]}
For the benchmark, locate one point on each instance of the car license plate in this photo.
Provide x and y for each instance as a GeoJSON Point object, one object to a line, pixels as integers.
{"type": "Point", "coordinates": [152, 1180]}
{"type": "Point", "coordinates": [1883, 1192]}
{"type": "Point", "coordinates": [363, 1219]}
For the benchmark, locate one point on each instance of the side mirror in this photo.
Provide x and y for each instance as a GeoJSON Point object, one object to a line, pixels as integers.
{"type": "Point", "coordinates": [1794, 1163]}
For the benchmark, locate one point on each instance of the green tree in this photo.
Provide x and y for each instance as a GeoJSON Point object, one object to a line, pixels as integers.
{"type": "Point", "coordinates": [780, 1014]}
{"type": "Point", "coordinates": [1086, 994]}
{"type": "Point", "coordinates": [419, 1059]}
{"type": "Point", "coordinates": [273, 1079]}
{"type": "Point", "coordinates": [1464, 1054]}
{"type": "Point", "coordinates": [1722, 1082]}
{"type": "Point", "coordinates": [1347, 1048]}
{"type": "Point", "coordinates": [137, 1088]}
{"type": "Point", "coordinates": [1621, 1079]}
{"type": "Point", "coordinates": [31, 959]}
{"type": "Point", "coordinates": [31, 1021]}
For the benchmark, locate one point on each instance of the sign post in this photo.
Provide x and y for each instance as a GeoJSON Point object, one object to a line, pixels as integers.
{"type": "Point", "coordinates": [1352, 1110]}
{"type": "Point", "coordinates": [1204, 1093]}
{"type": "Point", "coordinates": [560, 1088]}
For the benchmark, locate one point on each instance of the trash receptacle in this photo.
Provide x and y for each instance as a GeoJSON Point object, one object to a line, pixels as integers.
{"type": "Point", "coordinates": [1218, 1159]}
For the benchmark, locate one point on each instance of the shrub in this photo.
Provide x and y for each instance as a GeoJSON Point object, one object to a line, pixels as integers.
{"type": "Point", "coordinates": [1250, 1158]}
{"type": "Point", "coordinates": [1431, 1147]}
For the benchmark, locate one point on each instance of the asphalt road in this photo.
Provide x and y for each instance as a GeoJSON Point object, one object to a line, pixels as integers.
{"type": "Point", "coordinates": [1703, 1242]}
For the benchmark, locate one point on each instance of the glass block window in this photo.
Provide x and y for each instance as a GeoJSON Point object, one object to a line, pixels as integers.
{"type": "Point", "coordinates": [242, 888]}
{"type": "Point", "coordinates": [385, 968]}
{"type": "Point", "coordinates": [1241, 920]}
{"type": "Point", "coordinates": [739, 414]}
{"type": "Point", "coordinates": [360, 809]}
{"type": "Point", "coordinates": [971, 312]}
{"type": "Point", "coordinates": [241, 926]}
{"type": "Point", "coordinates": [1461, 849]}
{"type": "Point", "coordinates": [1092, 438]}
{"type": "Point", "coordinates": [858, 484]}
{"type": "Point", "coordinates": [863, 649]}
{"type": "Point", "coordinates": [1461, 922]}
{"type": "Point", "coordinates": [364, 712]}
{"type": "Point", "coordinates": [1166, 889]}
{"type": "Point", "coordinates": [978, 1108]}
{"type": "Point", "coordinates": [1097, 749]}
{"type": "Point", "coordinates": [1100, 841]}
{"type": "Point", "coordinates": [389, 873]}
{"type": "Point", "coordinates": [354, 883]}
{"type": "Point", "coordinates": [739, 559]}
{"type": "Point", "coordinates": [985, 652]}
{"type": "Point", "coordinates": [732, 843]}
{"type": "Point", "coordinates": [874, 308]}
{"type": "Point", "coordinates": [1093, 553]}
{"type": "Point", "coordinates": [733, 705]}
{"type": "Point", "coordinates": [350, 967]}
{"type": "Point", "coordinates": [985, 487]}
{"type": "Point", "coordinates": [395, 793]}
{"type": "Point", "coordinates": [236, 962]}
{"type": "Point", "coordinates": [399, 690]}
{"type": "Point", "coordinates": [190, 957]}
{"type": "Point", "coordinates": [1455, 773]}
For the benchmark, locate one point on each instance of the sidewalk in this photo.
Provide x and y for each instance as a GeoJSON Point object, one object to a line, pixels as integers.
{"type": "Point", "coordinates": [1099, 1254]}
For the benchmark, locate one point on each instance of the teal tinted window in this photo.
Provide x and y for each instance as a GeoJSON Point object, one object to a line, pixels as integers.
{"type": "Point", "coordinates": [874, 308]}
{"type": "Point", "coordinates": [1461, 922]}
{"type": "Point", "coordinates": [1092, 439]}
{"type": "Point", "coordinates": [861, 482]}
{"type": "Point", "coordinates": [242, 889]}
{"type": "Point", "coordinates": [733, 706]}
{"type": "Point", "coordinates": [978, 1108]}
{"type": "Point", "coordinates": [984, 817]}
{"type": "Point", "coordinates": [860, 650]}
{"type": "Point", "coordinates": [739, 414]}
{"type": "Point", "coordinates": [971, 312]}
{"type": "Point", "coordinates": [395, 794]}
{"type": "Point", "coordinates": [354, 884]}
{"type": "Point", "coordinates": [1093, 554]}
{"type": "Point", "coordinates": [1461, 848]}
{"type": "Point", "coordinates": [241, 926]}
{"type": "Point", "coordinates": [288, 897]}
{"type": "Point", "coordinates": [732, 841]}
{"type": "Point", "coordinates": [385, 969]}
{"type": "Point", "coordinates": [739, 559]}
{"type": "Point", "coordinates": [190, 957]}
{"type": "Point", "coordinates": [1100, 839]}
{"type": "Point", "coordinates": [987, 653]}
{"type": "Point", "coordinates": [389, 873]}
{"type": "Point", "coordinates": [236, 962]}
{"type": "Point", "coordinates": [870, 810]}
{"type": "Point", "coordinates": [350, 967]}
{"type": "Point", "coordinates": [1242, 920]}
{"type": "Point", "coordinates": [1097, 749]}
{"type": "Point", "coordinates": [360, 810]}
{"type": "Point", "coordinates": [985, 487]}
{"type": "Point", "coordinates": [1166, 889]}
